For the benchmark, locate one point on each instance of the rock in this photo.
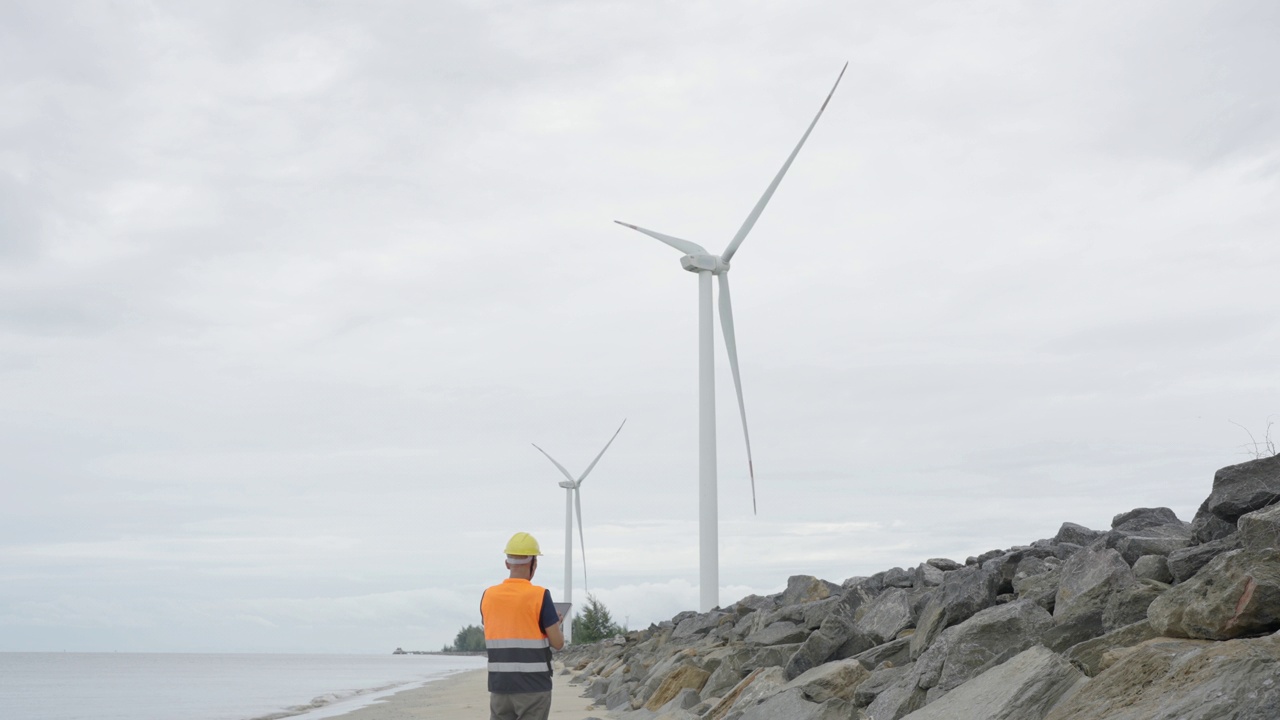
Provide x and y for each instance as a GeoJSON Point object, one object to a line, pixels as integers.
{"type": "Point", "coordinates": [900, 698]}
{"type": "Point", "coordinates": [897, 578]}
{"type": "Point", "coordinates": [1207, 527]}
{"type": "Point", "coordinates": [1164, 679]}
{"type": "Point", "coordinates": [927, 575]}
{"type": "Point", "coordinates": [806, 588]}
{"type": "Point", "coordinates": [985, 640]}
{"type": "Point", "coordinates": [962, 594]}
{"type": "Point", "coordinates": [1185, 563]}
{"type": "Point", "coordinates": [700, 624]}
{"type": "Point", "coordinates": [896, 652]}
{"type": "Point", "coordinates": [1243, 488]}
{"type": "Point", "coordinates": [782, 632]}
{"type": "Point", "coordinates": [1129, 604]}
{"type": "Point", "coordinates": [1260, 529]}
{"type": "Point", "coordinates": [1159, 540]}
{"type": "Point", "coordinates": [1088, 580]}
{"type": "Point", "coordinates": [1088, 655]}
{"type": "Point", "coordinates": [1040, 588]}
{"type": "Point", "coordinates": [759, 684]}
{"type": "Point", "coordinates": [1236, 594]}
{"type": "Point", "coordinates": [877, 682]}
{"type": "Point", "coordinates": [832, 680]}
{"type": "Point", "coordinates": [943, 564]}
{"type": "Point", "coordinates": [1076, 534]}
{"type": "Point", "coordinates": [835, 632]}
{"type": "Point", "coordinates": [1153, 567]}
{"type": "Point", "coordinates": [683, 700]}
{"type": "Point", "coordinates": [1025, 687]}
{"type": "Point", "coordinates": [1065, 550]}
{"type": "Point", "coordinates": [792, 705]}
{"type": "Point", "coordinates": [886, 616]}
{"type": "Point", "coordinates": [1144, 518]}
{"type": "Point", "coordinates": [620, 697]}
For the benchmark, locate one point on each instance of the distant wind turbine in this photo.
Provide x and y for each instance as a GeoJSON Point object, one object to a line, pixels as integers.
{"type": "Point", "coordinates": [572, 501]}
{"type": "Point", "coordinates": [705, 264]}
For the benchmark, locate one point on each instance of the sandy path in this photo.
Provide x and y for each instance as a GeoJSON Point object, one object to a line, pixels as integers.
{"type": "Point", "coordinates": [465, 696]}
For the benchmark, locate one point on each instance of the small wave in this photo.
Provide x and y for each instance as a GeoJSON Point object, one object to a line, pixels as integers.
{"type": "Point", "coordinates": [328, 699]}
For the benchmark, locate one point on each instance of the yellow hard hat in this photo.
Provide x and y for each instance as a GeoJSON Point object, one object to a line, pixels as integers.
{"type": "Point", "coordinates": [522, 543]}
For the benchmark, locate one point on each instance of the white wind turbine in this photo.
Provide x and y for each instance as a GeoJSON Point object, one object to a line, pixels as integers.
{"type": "Point", "coordinates": [705, 264]}
{"type": "Point", "coordinates": [572, 501]}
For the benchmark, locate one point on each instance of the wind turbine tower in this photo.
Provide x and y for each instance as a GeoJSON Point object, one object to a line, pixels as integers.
{"type": "Point", "coordinates": [707, 265]}
{"type": "Point", "coordinates": [572, 502]}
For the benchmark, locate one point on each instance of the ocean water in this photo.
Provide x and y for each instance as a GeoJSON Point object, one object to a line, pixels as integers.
{"type": "Point", "coordinates": [144, 686]}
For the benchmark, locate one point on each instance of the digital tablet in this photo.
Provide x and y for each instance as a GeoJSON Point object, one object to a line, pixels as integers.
{"type": "Point", "coordinates": [562, 609]}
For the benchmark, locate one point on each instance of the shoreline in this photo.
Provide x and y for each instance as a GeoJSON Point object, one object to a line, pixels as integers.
{"type": "Point", "coordinates": [465, 696]}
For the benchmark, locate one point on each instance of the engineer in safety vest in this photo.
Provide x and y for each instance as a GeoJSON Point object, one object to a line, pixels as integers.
{"type": "Point", "coordinates": [520, 628]}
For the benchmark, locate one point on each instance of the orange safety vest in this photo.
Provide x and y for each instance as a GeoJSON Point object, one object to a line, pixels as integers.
{"type": "Point", "coordinates": [518, 650]}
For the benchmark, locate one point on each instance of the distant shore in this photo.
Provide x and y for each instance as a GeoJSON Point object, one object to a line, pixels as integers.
{"type": "Point", "coordinates": [465, 696]}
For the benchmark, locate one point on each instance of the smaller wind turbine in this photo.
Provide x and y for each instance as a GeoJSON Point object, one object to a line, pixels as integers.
{"type": "Point", "coordinates": [572, 501]}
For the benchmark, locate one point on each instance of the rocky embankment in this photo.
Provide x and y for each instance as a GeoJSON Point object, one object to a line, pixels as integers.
{"type": "Point", "coordinates": [1154, 619]}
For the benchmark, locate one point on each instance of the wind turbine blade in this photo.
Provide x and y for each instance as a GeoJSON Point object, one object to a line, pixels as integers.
{"type": "Point", "coordinates": [731, 345]}
{"type": "Point", "coordinates": [553, 461]}
{"type": "Point", "coordinates": [768, 193]}
{"type": "Point", "coordinates": [577, 501]}
{"type": "Point", "coordinates": [606, 447]}
{"type": "Point", "coordinates": [684, 246]}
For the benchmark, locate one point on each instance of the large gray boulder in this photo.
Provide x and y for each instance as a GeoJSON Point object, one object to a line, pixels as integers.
{"type": "Point", "coordinates": [1129, 604]}
{"type": "Point", "coordinates": [1165, 679]}
{"type": "Point", "coordinates": [757, 685]}
{"type": "Point", "coordinates": [1023, 688]}
{"type": "Point", "coordinates": [700, 624]}
{"type": "Point", "coordinates": [1076, 534]}
{"type": "Point", "coordinates": [898, 699]}
{"type": "Point", "coordinates": [1207, 527]}
{"type": "Point", "coordinates": [783, 632]}
{"type": "Point", "coordinates": [805, 589]}
{"type": "Point", "coordinates": [793, 705]}
{"type": "Point", "coordinates": [1038, 582]}
{"type": "Point", "coordinates": [985, 640]}
{"type": "Point", "coordinates": [877, 682]}
{"type": "Point", "coordinates": [1153, 567]}
{"type": "Point", "coordinates": [1236, 594]}
{"type": "Point", "coordinates": [886, 616]}
{"type": "Point", "coordinates": [1088, 655]}
{"type": "Point", "coordinates": [1237, 490]}
{"type": "Point", "coordinates": [962, 594]}
{"type": "Point", "coordinates": [831, 680]}
{"type": "Point", "coordinates": [1088, 580]}
{"type": "Point", "coordinates": [834, 633]}
{"type": "Point", "coordinates": [1185, 563]}
{"type": "Point", "coordinates": [1260, 529]}
{"type": "Point", "coordinates": [1139, 519]}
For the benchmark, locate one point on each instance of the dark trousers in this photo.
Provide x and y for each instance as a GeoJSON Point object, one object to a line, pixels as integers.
{"type": "Point", "coordinates": [519, 706]}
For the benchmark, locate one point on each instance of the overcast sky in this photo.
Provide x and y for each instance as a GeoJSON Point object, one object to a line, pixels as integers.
{"type": "Point", "coordinates": [287, 289]}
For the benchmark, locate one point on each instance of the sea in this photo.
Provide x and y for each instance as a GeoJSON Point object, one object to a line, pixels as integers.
{"type": "Point", "coordinates": [159, 686]}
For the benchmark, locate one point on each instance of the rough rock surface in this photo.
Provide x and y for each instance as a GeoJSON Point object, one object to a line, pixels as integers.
{"type": "Point", "coordinates": [1011, 633]}
{"type": "Point", "coordinates": [1260, 529]}
{"type": "Point", "coordinates": [1236, 594]}
{"type": "Point", "coordinates": [1165, 679]}
{"type": "Point", "coordinates": [1025, 687]}
{"type": "Point", "coordinates": [1243, 488]}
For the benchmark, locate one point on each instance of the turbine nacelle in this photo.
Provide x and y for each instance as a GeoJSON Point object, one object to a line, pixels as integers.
{"type": "Point", "coordinates": [703, 263]}
{"type": "Point", "coordinates": [568, 484]}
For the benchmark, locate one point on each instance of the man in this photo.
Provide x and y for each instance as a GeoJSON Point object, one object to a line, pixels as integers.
{"type": "Point", "coordinates": [520, 628]}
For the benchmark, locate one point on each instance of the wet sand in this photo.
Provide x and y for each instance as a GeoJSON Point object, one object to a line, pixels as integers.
{"type": "Point", "coordinates": [465, 696]}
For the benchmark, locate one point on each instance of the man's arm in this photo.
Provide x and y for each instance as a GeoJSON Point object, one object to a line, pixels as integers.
{"type": "Point", "coordinates": [551, 621]}
{"type": "Point", "coordinates": [555, 636]}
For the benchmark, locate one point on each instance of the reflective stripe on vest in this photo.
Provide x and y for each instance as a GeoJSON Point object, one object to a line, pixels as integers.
{"type": "Point", "coordinates": [519, 652]}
